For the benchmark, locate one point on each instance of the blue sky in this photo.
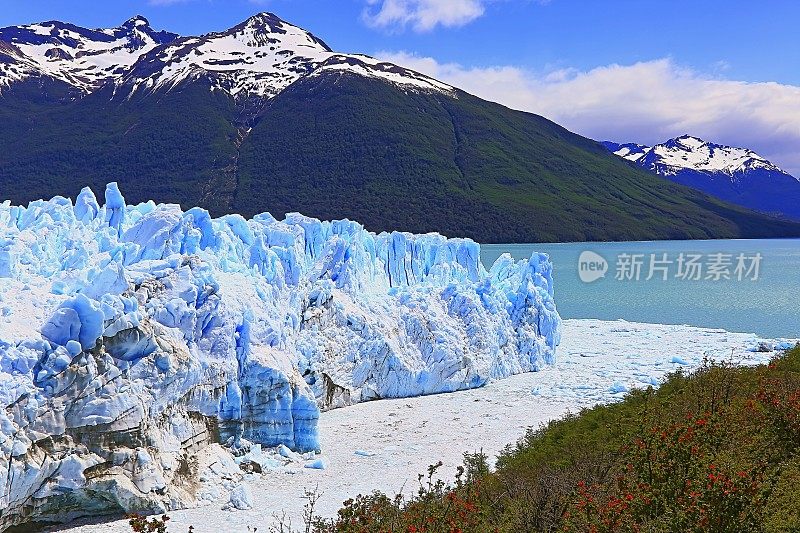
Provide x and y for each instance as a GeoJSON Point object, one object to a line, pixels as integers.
{"type": "Point", "coordinates": [740, 40]}
{"type": "Point", "coordinates": [628, 70]}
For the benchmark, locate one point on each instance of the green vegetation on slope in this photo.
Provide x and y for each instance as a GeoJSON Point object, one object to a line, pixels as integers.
{"type": "Point", "coordinates": [464, 166]}
{"type": "Point", "coordinates": [164, 149]}
{"type": "Point", "coordinates": [335, 146]}
{"type": "Point", "coordinates": [718, 451]}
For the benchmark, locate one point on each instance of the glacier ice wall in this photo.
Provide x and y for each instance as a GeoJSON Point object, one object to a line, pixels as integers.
{"type": "Point", "coordinates": [133, 336]}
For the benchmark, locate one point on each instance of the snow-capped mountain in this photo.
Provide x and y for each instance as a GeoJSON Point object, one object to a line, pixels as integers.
{"type": "Point", "coordinates": [259, 57]}
{"type": "Point", "coordinates": [692, 153]}
{"type": "Point", "coordinates": [80, 57]}
{"type": "Point", "coordinates": [738, 175]}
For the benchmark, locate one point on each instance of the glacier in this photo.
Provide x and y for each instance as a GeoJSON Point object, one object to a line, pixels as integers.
{"type": "Point", "coordinates": [135, 337]}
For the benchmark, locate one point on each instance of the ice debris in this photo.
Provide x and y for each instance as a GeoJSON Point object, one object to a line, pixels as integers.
{"type": "Point", "coordinates": [317, 464]}
{"type": "Point", "coordinates": [363, 453]}
{"type": "Point", "coordinates": [618, 387]}
{"type": "Point", "coordinates": [241, 498]}
{"type": "Point", "coordinates": [133, 339]}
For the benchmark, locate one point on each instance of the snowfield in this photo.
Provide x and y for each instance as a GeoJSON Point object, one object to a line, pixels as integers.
{"type": "Point", "coordinates": [384, 444]}
{"type": "Point", "coordinates": [136, 339]}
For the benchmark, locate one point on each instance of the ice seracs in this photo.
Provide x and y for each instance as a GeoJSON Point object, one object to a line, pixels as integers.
{"type": "Point", "coordinates": [134, 338]}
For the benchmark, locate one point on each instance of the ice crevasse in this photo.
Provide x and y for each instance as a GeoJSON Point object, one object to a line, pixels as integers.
{"type": "Point", "coordinates": [133, 336]}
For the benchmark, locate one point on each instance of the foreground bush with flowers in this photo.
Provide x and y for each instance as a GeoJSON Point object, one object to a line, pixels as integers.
{"type": "Point", "coordinates": [717, 450]}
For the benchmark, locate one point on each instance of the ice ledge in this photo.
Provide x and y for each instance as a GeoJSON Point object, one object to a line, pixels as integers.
{"type": "Point", "coordinates": [132, 337]}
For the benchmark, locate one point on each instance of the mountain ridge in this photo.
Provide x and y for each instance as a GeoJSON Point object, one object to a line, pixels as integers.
{"type": "Point", "coordinates": [266, 117]}
{"type": "Point", "coordinates": [83, 58]}
{"type": "Point", "coordinates": [734, 174]}
{"type": "Point", "coordinates": [260, 56]}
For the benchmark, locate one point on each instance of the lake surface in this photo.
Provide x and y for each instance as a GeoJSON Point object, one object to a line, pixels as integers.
{"type": "Point", "coordinates": [768, 306]}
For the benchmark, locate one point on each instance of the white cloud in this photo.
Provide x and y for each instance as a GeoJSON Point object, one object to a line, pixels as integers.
{"type": "Point", "coordinates": [421, 15]}
{"type": "Point", "coordinates": [647, 102]}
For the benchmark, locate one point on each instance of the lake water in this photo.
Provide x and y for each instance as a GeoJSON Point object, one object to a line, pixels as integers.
{"type": "Point", "coordinates": [768, 306]}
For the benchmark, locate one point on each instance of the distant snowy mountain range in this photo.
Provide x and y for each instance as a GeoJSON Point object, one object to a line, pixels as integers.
{"type": "Point", "coordinates": [738, 175]}
{"type": "Point", "coordinates": [259, 57]}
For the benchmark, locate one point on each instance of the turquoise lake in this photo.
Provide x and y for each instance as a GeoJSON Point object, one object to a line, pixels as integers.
{"type": "Point", "coordinates": [768, 306]}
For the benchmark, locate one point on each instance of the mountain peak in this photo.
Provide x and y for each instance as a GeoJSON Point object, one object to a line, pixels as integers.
{"type": "Point", "coordinates": [135, 22]}
{"type": "Point", "coordinates": [691, 142]}
{"type": "Point", "coordinates": [267, 29]}
{"type": "Point", "coordinates": [265, 17]}
{"type": "Point", "coordinates": [689, 152]}
{"type": "Point", "coordinates": [140, 34]}
{"type": "Point", "coordinates": [264, 23]}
